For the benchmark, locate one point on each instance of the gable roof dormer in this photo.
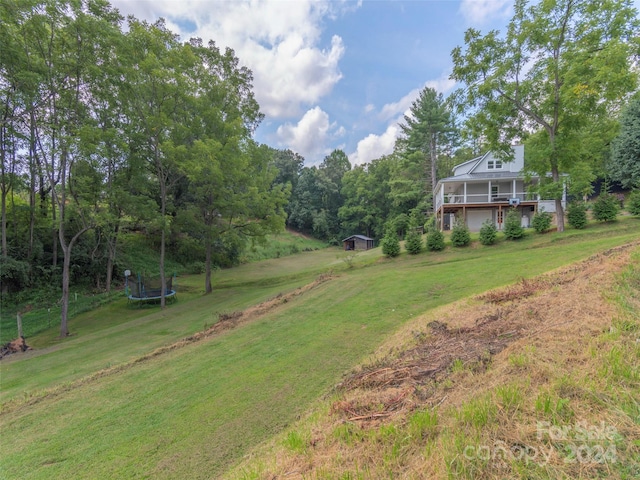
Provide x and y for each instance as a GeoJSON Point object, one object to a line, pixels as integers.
{"type": "Point", "coordinates": [491, 163]}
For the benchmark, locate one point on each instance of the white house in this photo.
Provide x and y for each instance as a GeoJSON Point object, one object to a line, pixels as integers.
{"type": "Point", "coordinates": [484, 189]}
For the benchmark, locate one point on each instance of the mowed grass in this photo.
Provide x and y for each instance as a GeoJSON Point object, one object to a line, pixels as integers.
{"type": "Point", "coordinates": [195, 411]}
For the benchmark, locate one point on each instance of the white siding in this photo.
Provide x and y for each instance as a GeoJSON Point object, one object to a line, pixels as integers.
{"type": "Point", "coordinates": [547, 206]}
{"type": "Point", "coordinates": [475, 218]}
{"type": "Point", "coordinates": [516, 165]}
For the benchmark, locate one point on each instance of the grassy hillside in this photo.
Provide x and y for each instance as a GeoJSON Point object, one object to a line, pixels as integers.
{"type": "Point", "coordinates": [98, 405]}
{"type": "Point", "coordinates": [537, 380]}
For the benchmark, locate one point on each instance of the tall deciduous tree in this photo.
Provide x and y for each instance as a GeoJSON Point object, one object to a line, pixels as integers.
{"type": "Point", "coordinates": [428, 129]}
{"type": "Point", "coordinates": [625, 149]}
{"type": "Point", "coordinates": [562, 65]}
{"type": "Point", "coordinates": [63, 39]}
{"type": "Point", "coordinates": [158, 92]}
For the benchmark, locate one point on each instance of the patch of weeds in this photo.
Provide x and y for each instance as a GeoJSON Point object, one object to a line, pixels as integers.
{"type": "Point", "coordinates": [523, 359]}
{"type": "Point", "coordinates": [447, 384]}
{"type": "Point", "coordinates": [461, 459]}
{"type": "Point", "coordinates": [348, 433]}
{"type": "Point", "coordinates": [532, 470]}
{"type": "Point", "coordinates": [423, 424]}
{"type": "Point", "coordinates": [296, 442]}
{"type": "Point", "coordinates": [387, 433]}
{"type": "Point", "coordinates": [555, 409]}
{"type": "Point", "coordinates": [617, 364]}
{"type": "Point", "coordinates": [349, 258]}
{"type": "Point", "coordinates": [457, 366]}
{"type": "Point", "coordinates": [478, 412]}
{"type": "Point", "coordinates": [351, 476]}
{"type": "Point", "coordinates": [510, 396]}
{"type": "Point", "coordinates": [569, 387]}
{"type": "Point", "coordinates": [252, 474]}
{"type": "Point", "coordinates": [392, 442]}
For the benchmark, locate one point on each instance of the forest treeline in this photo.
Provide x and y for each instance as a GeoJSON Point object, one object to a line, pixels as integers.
{"type": "Point", "coordinates": [111, 127]}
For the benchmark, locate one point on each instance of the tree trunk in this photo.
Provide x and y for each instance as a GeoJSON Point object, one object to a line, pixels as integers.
{"type": "Point", "coordinates": [560, 215]}
{"type": "Point", "coordinates": [163, 202]}
{"type": "Point", "coordinates": [66, 275]}
{"type": "Point", "coordinates": [434, 161]}
{"type": "Point", "coordinates": [32, 183]}
{"type": "Point", "coordinates": [54, 240]}
{"type": "Point", "coordinates": [207, 266]}
{"type": "Point", "coordinates": [163, 300]}
{"type": "Point", "coordinates": [3, 214]}
{"type": "Point", "coordinates": [112, 243]}
{"type": "Point", "coordinates": [109, 279]}
{"type": "Point", "coordinates": [64, 309]}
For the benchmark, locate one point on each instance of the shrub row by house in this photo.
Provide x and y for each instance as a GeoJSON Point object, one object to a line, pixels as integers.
{"type": "Point", "coordinates": [605, 209]}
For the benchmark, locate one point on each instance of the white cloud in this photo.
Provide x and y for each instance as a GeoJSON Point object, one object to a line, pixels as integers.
{"type": "Point", "coordinates": [375, 146]}
{"type": "Point", "coordinates": [279, 41]}
{"type": "Point", "coordinates": [391, 110]}
{"type": "Point", "coordinates": [481, 11]}
{"type": "Point", "coordinates": [310, 136]}
{"type": "Point", "coordinates": [402, 106]}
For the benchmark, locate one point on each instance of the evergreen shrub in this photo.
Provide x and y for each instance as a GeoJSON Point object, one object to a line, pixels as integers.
{"type": "Point", "coordinates": [413, 242]}
{"type": "Point", "coordinates": [488, 233]}
{"type": "Point", "coordinates": [606, 208]}
{"type": "Point", "coordinates": [391, 244]}
{"type": "Point", "coordinates": [541, 222]}
{"type": "Point", "coordinates": [460, 236]}
{"type": "Point", "coordinates": [633, 205]}
{"type": "Point", "coordinates": [512, 225]}
{"type": "Point", "coordinates": [435, 241]}
{"type": "Point", "coordinates": [577, 215]}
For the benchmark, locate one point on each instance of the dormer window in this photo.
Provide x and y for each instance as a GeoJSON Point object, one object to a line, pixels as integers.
{"type": "Point", "coordinates": [494, 164]}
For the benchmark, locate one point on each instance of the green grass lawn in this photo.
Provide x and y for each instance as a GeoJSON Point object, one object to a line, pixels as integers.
{"type": "Point", "coordinates": [195, 411]}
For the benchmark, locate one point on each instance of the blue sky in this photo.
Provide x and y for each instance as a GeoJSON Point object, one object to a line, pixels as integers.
{"type": "Point", "coordinates": [333, 74]}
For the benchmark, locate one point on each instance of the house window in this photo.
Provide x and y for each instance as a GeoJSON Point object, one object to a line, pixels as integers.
{"type": "Point", "coordinates": [499, 217]}
{"type": "Point", "coordinates": [494, 191]}
{"type": "Point", "coordinates": [494, 164]}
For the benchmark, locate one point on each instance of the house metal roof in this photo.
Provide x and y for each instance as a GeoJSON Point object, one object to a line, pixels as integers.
{"type": "Point", "coordinates": [484, 176]}
{"type": "Point", "coordinates": [361, 237]}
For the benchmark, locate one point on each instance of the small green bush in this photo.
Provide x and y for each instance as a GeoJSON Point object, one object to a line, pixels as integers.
{"type": "Point", "coordinates": [391, 244]}
{"type": "Point", "coordinates": [413, 242]}
{"type": "Point", "coordinates": [460, 236]}
{"type": "Point", "coordinates": [541, 222]}
{"type": "Point", "coordinates": [512, 225]}
{"type": "Point", "coordinates": [435, 241]}
{"type": "Point", "coordinates": [577, 215]}
{"type": "Point", "coordinates": [606, 208]}
{"type": "Point", "coordinates": [633, 206]}
{"type": "Point", "coordinates": [488, 233]}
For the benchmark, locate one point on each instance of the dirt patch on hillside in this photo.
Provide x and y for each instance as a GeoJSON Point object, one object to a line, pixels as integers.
{"type": "Point", "coordinates": [18, 345]}
{"type": "Point", "coordinates": [570, 301]}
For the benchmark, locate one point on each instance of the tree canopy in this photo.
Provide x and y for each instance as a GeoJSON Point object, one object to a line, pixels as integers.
{"type": "Point", "coordinates": [562, 67]}
{"type": "Point", "coordinates": [624, 166]}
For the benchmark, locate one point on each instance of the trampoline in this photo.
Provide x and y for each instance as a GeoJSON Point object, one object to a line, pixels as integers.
{"type": "Point", "coordinates": [142, 290]}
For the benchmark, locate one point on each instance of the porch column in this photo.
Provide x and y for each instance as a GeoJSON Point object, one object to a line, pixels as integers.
{"type": "Point", "coordinates": [489, 193]}
{"type": "Point", "coordinates": [513, 195]}
{"type": "Point", "coordinates": [465, 194]}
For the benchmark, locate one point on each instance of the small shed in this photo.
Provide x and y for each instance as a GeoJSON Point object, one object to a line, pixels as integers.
{"type": "Point", "coordinates": [358, 242]}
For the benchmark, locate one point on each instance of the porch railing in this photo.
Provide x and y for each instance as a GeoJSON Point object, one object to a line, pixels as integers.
{"type": "Point", "coordinates": [483, 198]}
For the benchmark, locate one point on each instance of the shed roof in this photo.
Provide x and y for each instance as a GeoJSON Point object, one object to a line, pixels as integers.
{"type": "Point", "coordinates": [361, 237]}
